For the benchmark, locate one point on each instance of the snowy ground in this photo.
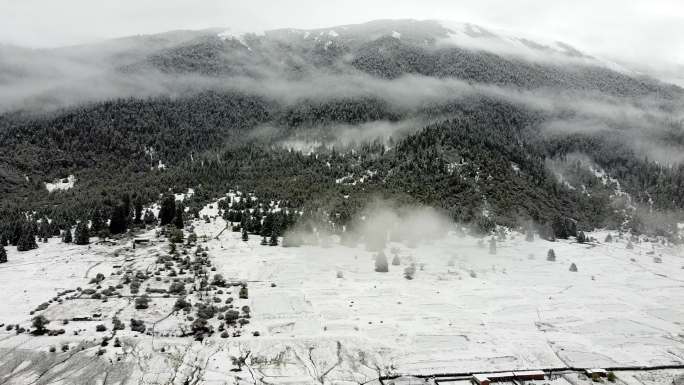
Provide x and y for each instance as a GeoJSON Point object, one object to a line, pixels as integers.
{"type": "Point", "coordinates": [466, 310]}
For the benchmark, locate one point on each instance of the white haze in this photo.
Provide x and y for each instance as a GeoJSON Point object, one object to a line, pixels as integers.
{"type": "Point", "coordinates": [37, 80]}
{"type": "Point", "coordinates": [642, 33]}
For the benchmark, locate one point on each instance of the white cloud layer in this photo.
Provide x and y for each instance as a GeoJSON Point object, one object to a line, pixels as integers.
{"type": "Point", "coordinates": [649, 34]}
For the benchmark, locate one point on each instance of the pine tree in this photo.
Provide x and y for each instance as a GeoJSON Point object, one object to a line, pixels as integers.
{"type": "Point", "coordinates": [149, 218]}
{"type": "Point", "coordinates": [551, 255]}
{"type": "Point", "coordinates": [81, 234]}
{"type": "Point", "coordinates": [96, 222]}
{"type": "Point", "coordinates": [267, 226]}
{"type": "Point", "coordinates": [27, 241]}
{"type": "Point", "coordinates": [609, 239]}
{"type": "Point", "coordinates": [274, 239]}
{"type": "Point", "coordinates": [381, 263]}
{"type": "Point", "coordinates": [44, 229]}
{"type": "Point", "coordinates": [168, 209]}
{"type": "Point", "coordinates": [178, 217]}
{"type": "Point", "coordinates": [245, 236]}
{"type": "Point", "coordinates": [67, 236]}
{"type": "Point", "coordinates": [39, 324]}
{"type": "Point", "coordinates": [410, 271]}
{"type": "Point", "coordinates": [3, 254]}
{"type": "Point", "coordinates": [264, 241]}
{"type": "Point", "coordinates": [119, 221]}
{"type": "Point", "coordinates": [581, 238]}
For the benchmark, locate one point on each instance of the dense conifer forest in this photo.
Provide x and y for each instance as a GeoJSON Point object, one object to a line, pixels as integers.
{"type": "Point", "coordinates": [483, 158]}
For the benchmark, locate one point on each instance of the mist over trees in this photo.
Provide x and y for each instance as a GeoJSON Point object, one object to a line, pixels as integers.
{"type": "Point", "coordinates": [479, 151]}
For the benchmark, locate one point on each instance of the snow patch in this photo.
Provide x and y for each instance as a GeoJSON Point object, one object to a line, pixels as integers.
{"type": "Point", "coordinates": [238, 36]}
{"type": "Point", "coordinates": [529, 47]}
{"type": "Point", "coordinates": [182, 196]}
{"type": "Point", "coordinates": [61, 184]}
{"type": "Point", "coordinates": [396, 35]}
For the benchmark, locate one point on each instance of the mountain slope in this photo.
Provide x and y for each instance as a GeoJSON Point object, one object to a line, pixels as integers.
{"type": "Point", "coordinates": [393, 108]}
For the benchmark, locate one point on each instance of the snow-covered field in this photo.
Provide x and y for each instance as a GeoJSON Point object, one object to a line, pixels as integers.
{"type": "Point", "coordinates": [465, 310]}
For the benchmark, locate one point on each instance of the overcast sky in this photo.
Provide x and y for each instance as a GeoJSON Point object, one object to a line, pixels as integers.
{"type": "Point", "coordinates": [649, 33]}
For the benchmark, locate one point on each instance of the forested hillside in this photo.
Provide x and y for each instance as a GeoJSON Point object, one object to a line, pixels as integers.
{"type": "Point", "coordinates": [326, 120]}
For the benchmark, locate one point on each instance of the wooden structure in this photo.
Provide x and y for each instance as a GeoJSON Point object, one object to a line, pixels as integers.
{"type": "Point", "coordinates": [488, 378]}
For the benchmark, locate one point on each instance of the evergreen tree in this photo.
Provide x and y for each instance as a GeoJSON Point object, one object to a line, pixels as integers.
{"type": "Point", "coordinates": [245, 236]}
{"type": "Point", "coordinates": [3, 239]}
{"type": "Point", "coordinates": [96, 221]}
{"type": "Point", "coordinates": [39, 324]}
{"type": "Point", "coordinates": [27, 241]}
{"type": "Point", "coordinates": [3, 254]}
{"type": "Point", "coordinates": [609, 239]}
{"type": "Point", "coordinates": [274, 239]}
{"type": "Point", "coordinates": [551, 255]}
{"type": "Point", "coordinates": [381, 265]}
{"type": "Point", "coordinates": [581, 238]}
{"type": "Point", "coordinates": [81, 234]}
{"type": "Point", "coordinates": [264, 241]}
{"type": "Point", "coordinates": [267, 225]}
{"type": "Point", "coordinates": [126, 203]}
{"type": "Point", "coordinates": [529, 235]}
{"type": "Point", "coordinates": [44, 229]}
{"type": "Point", "coordinates": [67, 236]}
{"type": "Point", "coordinates": [119, 221]}
{"type": "Point", "coordinates": [168, 210]}
{"type": "Point", "coordinates": [564, 227]}
{"type": "Point", "coordinates": [149, 218]}
{"type": "Point", "coordinates": [178, 217]}
{"type": "Point", "coordinates": [244, 220]}
{"type": "Point", "coordinates": [410, 271]}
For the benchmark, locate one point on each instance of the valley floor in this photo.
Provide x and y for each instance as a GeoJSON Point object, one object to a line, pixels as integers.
{"type": "Point", "coordinates": [464, 311]}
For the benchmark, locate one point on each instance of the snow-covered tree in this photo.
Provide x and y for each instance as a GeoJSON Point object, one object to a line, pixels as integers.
{"type": "Point", "coordinates": [581, 237]}
{"type": "Point", "coordinates": [68, 238]}
{"type": "Point", "coordinates": [39, 325]}
{"type": "Point", "coordinates": [274, 239]}
{"type": "Point", "coordinates": [27, 240]}
{"type": "Point", "coordinates": [551, 255]}
{"type": "Point", "coordinates": [149, 218]}
{"type": "Point", "coordinates": [529, 235]}
{"type": "Point", "coordinates": [81, 234]}
{"type": "Point", "coordinates": [381, 263]}
{"type": "Point", "coordinates": [410, 271]}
